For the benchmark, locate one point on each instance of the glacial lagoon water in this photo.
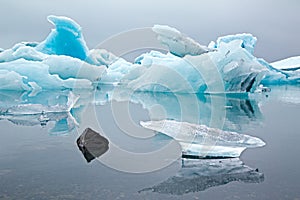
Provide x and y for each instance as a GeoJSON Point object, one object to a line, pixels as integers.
{"type": "Point", "coordinates": [39, 157]}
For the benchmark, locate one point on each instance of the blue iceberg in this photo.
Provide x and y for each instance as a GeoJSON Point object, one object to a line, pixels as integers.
{"type": "Point", "coordinates": [63, 61]}
{"type": "Point", "coordinates": [65, 39]}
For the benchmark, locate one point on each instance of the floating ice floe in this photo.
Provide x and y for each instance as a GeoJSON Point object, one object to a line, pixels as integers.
{"type": "Point", "coordinates": [63, 61]}
{"type": "Point", "coordinates": [202, 141]}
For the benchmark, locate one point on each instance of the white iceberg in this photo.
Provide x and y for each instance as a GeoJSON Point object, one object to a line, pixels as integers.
{"type": "Point", "coordinates": [202, 141]}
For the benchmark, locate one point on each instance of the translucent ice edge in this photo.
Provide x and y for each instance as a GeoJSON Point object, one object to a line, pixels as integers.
{"type": "Point", "coordinates": [63, 61]}
{"type": "Point", "coordinates": [202, 141]}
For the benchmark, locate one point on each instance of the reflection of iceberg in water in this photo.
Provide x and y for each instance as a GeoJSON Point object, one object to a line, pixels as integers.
{"type": "Point", "coordinates": [291, 94]}
{"type": "Point", "coordinates": [240, 112]}
{"type": "Point", "coordinates": [199, 175]}
{"type": "Point", "coordinates": [42, 109]}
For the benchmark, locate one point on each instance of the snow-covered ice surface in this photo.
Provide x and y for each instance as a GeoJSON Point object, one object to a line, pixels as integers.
{"type": "Point", "coordinates": [63, 61]}
{"type": "Point", "coordinates": [202, 141]}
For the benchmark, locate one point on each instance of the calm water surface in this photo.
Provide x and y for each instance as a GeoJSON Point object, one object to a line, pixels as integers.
{"type": "Point", "coordinates": [43, 161]}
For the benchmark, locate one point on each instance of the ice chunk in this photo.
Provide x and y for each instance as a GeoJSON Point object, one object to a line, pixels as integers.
{"type": "Point", "coordinates": [237, 70]}
{"type": "Point", "coordinates": [11, 80]}
{"type": "Point", "coordinates": [68, 67]}
{"type": "Point", "coordinates": [166, 72]}
{"type": "Point", "coordinates": [247, 41]}
{"type": "Point", "coordinates": [65, 39]}
{"type": "Point", "coordinates": [38, 73]}
{"type": "Point", "coordinates": [199, 175]}
{"type": "Point", "coordinates": [289, 64]}
{"type": "Point", "coordinates": [20, 50]}
{"type": "Point", "coordinates": [177, 43]}
{"type": "Point", "coordinates": [117, 71]}
{"type": "Point", "coordinates": [101, 57]}
{"type": "Point", "coordinates": [203, 141]}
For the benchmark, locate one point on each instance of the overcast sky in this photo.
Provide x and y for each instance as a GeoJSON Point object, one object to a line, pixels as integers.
{"type": "Point", "coordinates": [274, 23]}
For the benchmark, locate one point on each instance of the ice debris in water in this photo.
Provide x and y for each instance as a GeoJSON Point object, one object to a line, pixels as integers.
{"type": "Point", "coordinates": [63, 60]}
{"type": "Point", "coordinates": [202, 141]}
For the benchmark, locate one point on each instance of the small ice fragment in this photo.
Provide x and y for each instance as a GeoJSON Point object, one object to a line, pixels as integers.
{"type": "Point", "coordinates": [202, 141]}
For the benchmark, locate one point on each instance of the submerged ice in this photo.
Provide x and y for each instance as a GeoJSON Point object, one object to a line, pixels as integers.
{"type": "Point", "coordinates": [202, 141]}
{"type": "Point", "coordinates": [63, 61]}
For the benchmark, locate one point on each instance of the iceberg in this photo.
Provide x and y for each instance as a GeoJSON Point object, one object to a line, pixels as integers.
{"type": "Point", "coordinates": [199, 175]}
{"type": "Point", "coordinates": [201, 141]}
{"type": "Point", "coordinates": [56, 63]}
{"type": "Point", "coordinates": [63, 61]}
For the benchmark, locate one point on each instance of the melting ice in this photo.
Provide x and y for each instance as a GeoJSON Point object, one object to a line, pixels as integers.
{"type": "Point", "coordinates": [202, 141]}
{"type": "Point", "coordinates": [63, 60]}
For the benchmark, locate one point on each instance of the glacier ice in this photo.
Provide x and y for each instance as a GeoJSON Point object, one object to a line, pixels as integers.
{"type": "Point", "coordinates": [177, 43]}
{"type": "Point", "coordinates": [199, 175]}
{"type": "Point", "coordinates": [248, 41]}
{"type": "Point", "coordinates": [202, 141]}
{"type": "Point", "coordinates": [63, 61]}
{"type": "Point", "coordinates": [289, 64]}
{"type": "Point", "coordinates": [65, 39]}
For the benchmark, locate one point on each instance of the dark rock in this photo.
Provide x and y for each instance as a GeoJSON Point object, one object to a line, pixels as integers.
{"type": "Point", "coordinates": [92, 144]}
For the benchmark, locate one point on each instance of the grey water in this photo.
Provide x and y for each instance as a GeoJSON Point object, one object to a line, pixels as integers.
{"type": "Point", "coordinates": [39, 159]}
